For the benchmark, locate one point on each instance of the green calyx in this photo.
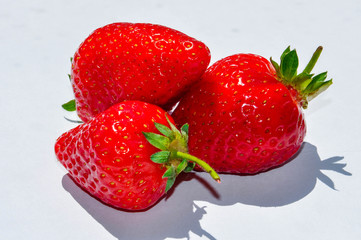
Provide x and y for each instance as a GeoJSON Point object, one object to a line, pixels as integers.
{"type": "Point", "coordinates": [173, 144]}
{"type": "Point", "coordinates": [307, 84]}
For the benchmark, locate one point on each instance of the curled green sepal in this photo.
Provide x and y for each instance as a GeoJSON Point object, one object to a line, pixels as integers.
{"type": "Point", "coordinates": [173, 144]}
{"type": "Point", "coordinates": [308, 85]}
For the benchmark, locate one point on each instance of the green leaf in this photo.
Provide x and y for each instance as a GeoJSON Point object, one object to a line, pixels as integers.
{"type": "Point", "coordinates": [321, 87]}
{"type": "Point", "coordinates": [69, 106]}
{"type": "Point", "coordinates": [157, 140]}
{"type": "Point", "coordinates": [184, 132]}
{"type": "Point", "coordinates": [69, 76]}
{"type": "Point", "coordinates": [160, 157]}
{"type": "Point", "coordinates": [276, 66]}
{"type": "Point", "coordinates": [164, 129]}
{"type": "Point", "coordinates": [316, 86]}
{"type": "Point", "coordinates": [181, 166]}
{"type": "Point", "coordinates": [287, 50]}
{"type": "Point", "coordinates": [289, 65]}
{"type": "Point", "coordinates": [189, 167]}
{"type": "Point", "coordinates": [170, 183]}
{"type": "Point", "coordinates": [316, 83]}
{"type": "Point", "coordinates": [301, 81]}
{"type": "Point", "coordinates": [320, 77]}
{"type": "Point", "coordinates": [302, 77]}
{"type": "Point", "coordinates": [172, 127]}
{"type": "Point", "coordinates": [185, 129]}
{"type": "Point", "coordinates": [170, 173]}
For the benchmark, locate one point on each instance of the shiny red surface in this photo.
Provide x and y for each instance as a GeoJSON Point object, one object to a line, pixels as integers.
{"type": "Point", "coordinates": [125, 61]}
{"type": "Point", "coordinates": [242, 119]}
{"type": "Point", "coordinates": [110, 158]}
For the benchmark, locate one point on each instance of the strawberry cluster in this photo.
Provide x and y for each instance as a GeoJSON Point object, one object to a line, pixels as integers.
{"type": "Point", "coordinates": [244, 112]}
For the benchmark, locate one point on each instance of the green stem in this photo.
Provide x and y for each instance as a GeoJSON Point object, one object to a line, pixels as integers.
{"type": "Point", "coordinates": [313, 60]}
{"type": "Point", "coordinates": [201, 163]}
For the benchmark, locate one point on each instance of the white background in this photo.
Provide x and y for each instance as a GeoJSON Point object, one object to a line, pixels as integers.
{"type": "Point", "coordinates": [315, 196]}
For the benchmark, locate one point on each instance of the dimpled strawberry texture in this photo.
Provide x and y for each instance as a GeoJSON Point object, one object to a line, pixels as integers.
{"type": "Point", "coordinates": [110, 158]}
{"type": "Point", "coordinates": [126, 61]}
{"type": "Point", "coordinates": [242, 119]}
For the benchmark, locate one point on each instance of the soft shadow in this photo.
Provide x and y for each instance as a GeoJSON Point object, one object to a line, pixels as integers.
{"type": "Point", "coordinates": [278, 187]}
{"type": "Point", "coordinates": [177, 215]}
{"type": "Point", "coordinates": [166, 219]}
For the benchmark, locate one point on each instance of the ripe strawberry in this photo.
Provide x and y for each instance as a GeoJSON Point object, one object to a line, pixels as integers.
{"type": "Point", "coordinates": [135, 61]}
{"type": "Point", "coordinates": [246, 113]}
{"type": "Point", "coordinates": [114, 160]}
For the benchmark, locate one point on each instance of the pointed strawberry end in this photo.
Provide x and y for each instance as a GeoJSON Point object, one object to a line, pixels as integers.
{"type": "Point", "coordinates": [307, 85]}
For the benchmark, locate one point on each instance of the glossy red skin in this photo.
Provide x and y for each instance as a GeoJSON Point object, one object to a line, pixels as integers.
{"type": "Point", "coordinates": [110, 158]}
{"type": "Point", "coordinates": [135, 61]}
{"type": "Point", "coordinates": [242, 119]}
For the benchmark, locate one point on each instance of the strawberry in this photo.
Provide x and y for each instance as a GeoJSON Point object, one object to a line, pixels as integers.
{"type": "Point", "coordinates": [246, 113]}
{"type": "Point", "coordinates": [134, 61]}
{"type": "Point", "coordinates": [114, 156]}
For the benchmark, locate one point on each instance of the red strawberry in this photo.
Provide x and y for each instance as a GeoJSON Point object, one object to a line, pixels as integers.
{"type": "Point", "coordinates": [111, 158]}
{"type": "Point", "coordinates": [246, 113]}
{"type": "Point", "coordinates": [127, 61]}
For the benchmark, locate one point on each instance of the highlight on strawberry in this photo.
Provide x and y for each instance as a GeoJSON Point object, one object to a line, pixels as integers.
{"type": "Point", "coordinates": [128, 156]}
{"type": "Point", "coordinates": [246, 112]}
{"type": "Point", "coordinates": [134, 61]}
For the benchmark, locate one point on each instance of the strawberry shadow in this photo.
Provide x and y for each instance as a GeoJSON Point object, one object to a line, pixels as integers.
{"type": "Point", "coordinates": [180, 213]}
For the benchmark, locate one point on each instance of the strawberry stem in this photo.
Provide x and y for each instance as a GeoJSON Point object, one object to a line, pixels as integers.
{"type": "Point", "coordinates": [313, 60]}
{"type": "Point", "coordinates": [201, 163]}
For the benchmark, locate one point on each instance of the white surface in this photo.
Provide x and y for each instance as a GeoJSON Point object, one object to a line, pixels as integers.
{"type": "Point", "coordinates": [297, 201]}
